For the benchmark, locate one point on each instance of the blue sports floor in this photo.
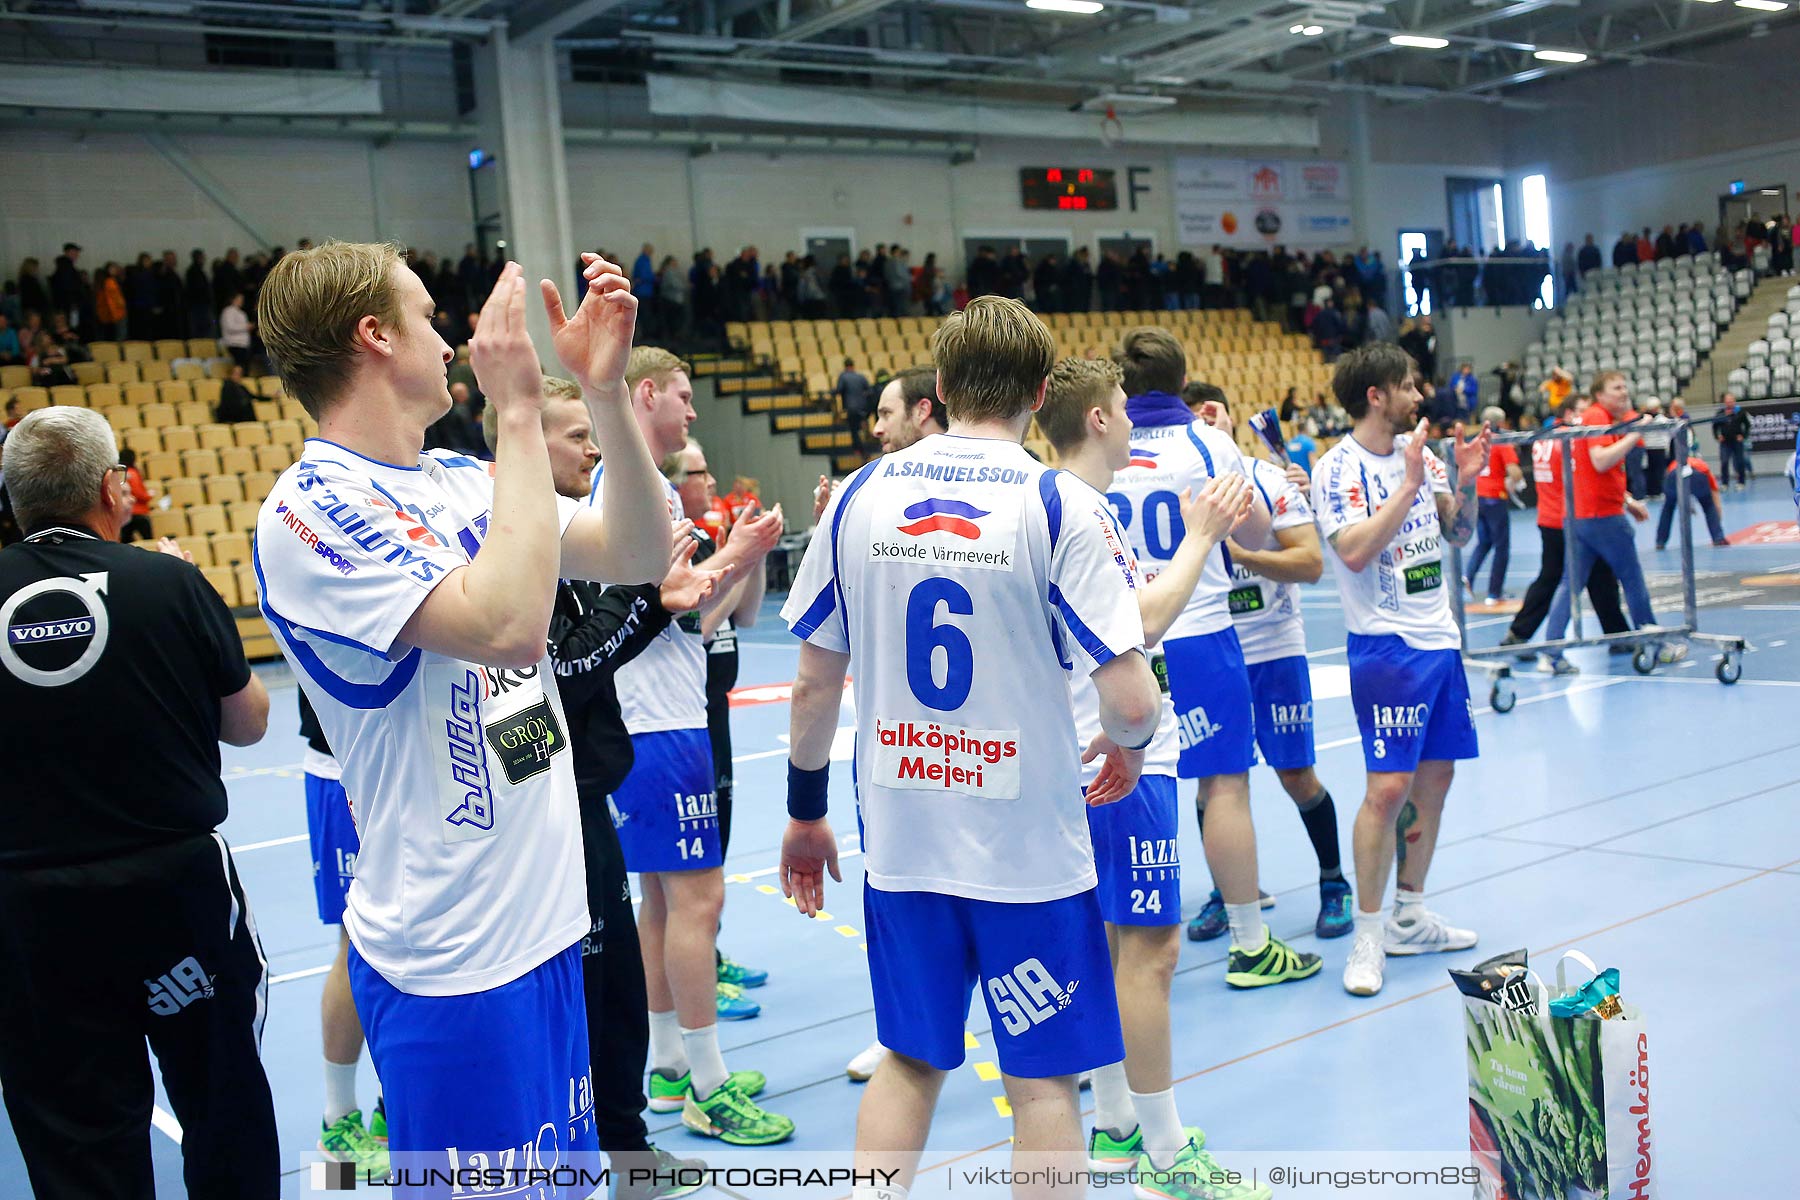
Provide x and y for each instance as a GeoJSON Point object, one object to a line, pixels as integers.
{"type": "Point", "coordinates": [1652, 822]}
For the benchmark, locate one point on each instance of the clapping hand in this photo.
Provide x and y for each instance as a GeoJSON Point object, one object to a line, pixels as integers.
{"type": "Point", "coordinates": [505, 361]}
{"type": "Point", "coordinates": [1472, 455]}
{"type": "Point", "coordinates": [1118, 774]}
{"type": "Point", "coordinates": [1218, 507]}
{"type": "Point", "coordinates": [595, 343]}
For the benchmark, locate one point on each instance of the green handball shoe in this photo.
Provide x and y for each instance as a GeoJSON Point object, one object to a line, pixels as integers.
{"type": "Point", "coordinates": [345, 1140]}
{"type": "Point", "coordinates": [1276, 962]}
{"type": "Point", "coordinates": [1194, 1175]}
{"type": "Point", "coordinates": [1109, 1154]}
{"type": "Point", "coordinates": [734, 1118]}
{"type": "Point", "coordinates": [378, 1123]}
{"type": "Point", "coordinates": [669, 1095]}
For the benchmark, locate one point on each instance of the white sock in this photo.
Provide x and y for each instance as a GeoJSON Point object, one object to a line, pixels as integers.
{"type": "Point", "coordinates": [340, 1090]}
{"type": "Point", "coordinates": [708, 1065]}
{"type": "Point", "coordinates": [1371, 925]}
{"type": "Point", "coordinates": [870, 1191]}
{"type": "Point", "coordinates": [1161, 1122]}
{"type": "Point", "coordinates": [1247, 930]}
{"type": "Point", "coordinates": [667, 1053]}
{"type": "Point", "coordinates": [1406, 904]}
{"type": "Point", "coordinates": [1112, 1100]}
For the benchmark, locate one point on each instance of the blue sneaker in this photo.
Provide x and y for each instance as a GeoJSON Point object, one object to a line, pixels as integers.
{"type": "Point", "coordinates": [1334, 909]}
{"type": "Point", "coordinates": [1210, 921]}
{"type": "Point", "coordinates": [738, 974]}
{"type": "Point", "coordinates": [733, 1007]}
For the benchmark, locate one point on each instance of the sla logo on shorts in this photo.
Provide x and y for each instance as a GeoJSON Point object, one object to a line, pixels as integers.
{"type": "Point", "coordinates": [929, 756]}
{"type": "Point", "coordinates": [178, 987]}
{"type": "Point", "coordinates": [1028, 995]}
{"type": "Point", "coordinates": [526, 740]}
{"type": "Point", "coordinates": [1193, 727]}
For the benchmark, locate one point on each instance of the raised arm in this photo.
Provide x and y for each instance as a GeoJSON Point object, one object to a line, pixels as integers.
{"type": "Point", "coordinates": [1299, 560]}
{"type": "Point", "coordinates": [630, 544]}
{"type": "Point", "coordinates": [1457, 514]}
{"type": "Point", "coordinates": [1208, 518]}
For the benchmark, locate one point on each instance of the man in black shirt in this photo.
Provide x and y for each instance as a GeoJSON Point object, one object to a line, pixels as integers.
{"type": "Point", "coordinates": [111, 830]}
{"type": "Point", "coordinates": [594, 632]}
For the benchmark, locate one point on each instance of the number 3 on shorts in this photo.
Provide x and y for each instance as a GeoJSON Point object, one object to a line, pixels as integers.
{"type": "Point", "coordinates": [1380, 748]}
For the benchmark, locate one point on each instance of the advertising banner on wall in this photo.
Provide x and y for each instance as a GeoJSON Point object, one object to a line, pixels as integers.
{"type": "Point", "coordinates": [1773, 424]}
{"type": "Point", "coordinates": [1254, 203]}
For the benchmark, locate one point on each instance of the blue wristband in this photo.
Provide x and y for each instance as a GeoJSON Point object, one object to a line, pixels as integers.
{"type": "Point", "coordinates": [806, 792]}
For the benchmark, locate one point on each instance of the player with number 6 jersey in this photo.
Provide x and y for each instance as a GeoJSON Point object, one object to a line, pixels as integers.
{"type": "Point", "coordinates": [961, 578]}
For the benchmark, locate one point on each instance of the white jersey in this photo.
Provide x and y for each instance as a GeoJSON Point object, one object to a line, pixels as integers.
{"type": "Point", "coordinates": [470, 872]}
{"type": "Point", "coordinates": [1266, 613]}
{"type": "Point", "coordinates": [1402, 592]}
{"type": "Point", "coordinates": [1146, 495]}
{"type": "Point", "coordinates": [664, 687]}
{"type": "Point", "coordinates": [964, 579]}
{"type": "Point", "coordinates": [1164, 750]}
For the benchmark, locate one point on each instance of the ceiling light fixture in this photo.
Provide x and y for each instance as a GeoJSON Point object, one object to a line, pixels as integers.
{"type": "Point", "coordinates": [1560, 56]}
{"type": "Point", "coordinates": [1086, 8]}
{"type": "Point", "coordinates": [1418, 43]}
{"type": "Point", "coordinates": [1305, 30]}
{"type": "Point", "coordinates": [1764, 5]}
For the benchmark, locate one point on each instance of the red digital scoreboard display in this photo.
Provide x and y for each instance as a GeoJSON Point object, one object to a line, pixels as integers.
{"type": "Point", "coordinates": [1075, 189]}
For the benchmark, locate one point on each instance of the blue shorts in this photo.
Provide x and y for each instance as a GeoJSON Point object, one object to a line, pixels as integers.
{"type": "Point", "coordinates": [1211, 690]}
{"type": "Point", "coordinates": [1410, 704]}
{"type": "Point", "coordinates": [1043, 970]}
{"type": "Point", "coordinates": [667, 811]}
{"type": "Point", "coordinates": [1135, 853]}
{"type": "Point", "coordinates": [332, 834]}
{"type": "Point", "coordinates": [1284, 712]}
{"type": "Point", "coordinates": [485, 1073]}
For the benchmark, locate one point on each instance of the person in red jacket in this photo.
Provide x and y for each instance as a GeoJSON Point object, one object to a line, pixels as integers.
{"type": "Point", "coordinates": [1701, 490]}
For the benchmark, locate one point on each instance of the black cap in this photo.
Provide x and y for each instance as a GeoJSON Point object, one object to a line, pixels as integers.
{"type": "Point", "coordinates": [67, 246]}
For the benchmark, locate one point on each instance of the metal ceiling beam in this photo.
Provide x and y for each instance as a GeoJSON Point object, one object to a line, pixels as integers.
{"type": "Point", "coordinates": [547, 19]}
{"type": "Point", "coordinates": [1440, 29]}
{"type": "Point", "coordinates": [844, 12]}
{"type": "Point", "coordinates": [1637, 53]}
{"type": "Point", "coordinates": [123, 21]}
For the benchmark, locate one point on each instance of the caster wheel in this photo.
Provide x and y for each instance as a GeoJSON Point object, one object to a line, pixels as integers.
{"type": "Point", "coordinates": [1730, 669]}
{"type": "Point", "coordinates": [1643, 661]}
{"type": "Point", "coordinates": [1503, 696]}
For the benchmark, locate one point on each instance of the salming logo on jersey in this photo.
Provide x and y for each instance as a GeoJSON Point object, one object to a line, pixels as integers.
{"type": "Point", "coordinates": [1194, 727]}
{"type": "Point", "coordinates": [1028, 995]}
{"type": "Point", "coordinates": [178, 987]}
{"type": "Point", "coordinates": [927, 755]}
{"type": "Point", "coordinates": [304, 532]}
{"type": "Point", "coordinates": [349, 521]}
{"type": "Point", "coordinates": [1399, 720]}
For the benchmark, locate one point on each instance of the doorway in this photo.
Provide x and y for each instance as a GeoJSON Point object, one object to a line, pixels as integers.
{"type": "Point", "coordinates": [1477, 214]}
{"type": "Point", "coordinates": [1766, 202]}
{"type": "Point", "coordinates": [825, 245]}
{"type": "Point", "coordinates": [1429, 242]}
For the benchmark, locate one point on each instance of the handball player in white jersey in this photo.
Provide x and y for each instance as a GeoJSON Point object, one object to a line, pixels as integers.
{"type": "Point", "coordinates": [961, 579]}
{"type": "Point", "coordinates": [1385, 507]}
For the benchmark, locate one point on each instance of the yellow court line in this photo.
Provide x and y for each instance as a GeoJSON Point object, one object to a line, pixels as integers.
{"type": "Point", "coordinates": [987, 1072]}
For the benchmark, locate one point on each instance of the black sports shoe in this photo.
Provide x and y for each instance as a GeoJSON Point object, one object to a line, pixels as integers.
{"type": "Point", "coordinates": [666, 1183]}
{"type": "Point", "coordinates": [1513, 639]}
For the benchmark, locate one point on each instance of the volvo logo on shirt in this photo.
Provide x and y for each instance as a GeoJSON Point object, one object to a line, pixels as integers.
{"type": "Point", "coordinates": [56, 629]}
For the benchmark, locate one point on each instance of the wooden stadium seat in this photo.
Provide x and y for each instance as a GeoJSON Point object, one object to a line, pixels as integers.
{"type": "Point", "coordinates": [206, 391]}
{"type": "Point", "coordinates": [250, 433]}
{"type": "Point", "coordinates": [15, 377]}
{"type": "Point", "coordinates": [224, 489]}
{"type": "Point", "coordinates": [72, 395]}
{"type": "Point", "coordinates": [180, 438]}
{"type": "Point", "coordinates": [274, 458]}
{"type": "Point", "coordinates": [199, 547]}
{"type": "Point", "coordinates": [143, 394]}
{"type": "Point", "coordinates": [157, 416]}
{"type": "Point", "coordinates": [185, 492]}
{"type": "Point", "coordinates": [267, 410]}
{"type": "Point", "coordinates": [143, 441]}
{"type": "Point", "coordinates": [87, 372]}
{"type": "Point", "coordinates": [121, 417]}
{"type": "Point", "coordinates": [189, 371]}
{"type": "Point", "coordinates": [203, 347]}
{"type": "Point", "coordinates": [104, 395]}
{"type": "Point", "coordinates": [246, 581]}
{"type": "Point", "coordinates": [171, 522]}
{"type": "Point", "coordinates": [219, 368]}
{"type": "Point", "coordinates": [201, 464]}
{"type": "Point", "coordinates": [258, 485]}
{"type": "Point", "coordinates": [105, 352]}
{"type": "Point", "coordinates": [206, 518]}
{"type": "Point", "coordinates": [230, 548]}
{"type": "Point", "coordinates": [212, 436]}
{"type": "Point", "coordinates": [31, 398]}
{"type": "Point", "coordinates": [159, 465]}
{"type": "Point", "coordinates": [224, 581]}
{"type": "Point", "coordinates": [166, 349]}
{"type": "Point", "coordinates": [192, 412]}
{"type": "Point", "coordinates": [122, 372]}
{"type": "Point", "coordinates": [269, 386]}
{"type": "Point", "coordinates": [242, 516]}
{"type": "Point", "coordinates": [237, 460]}
{"type": "Point", "coordinates": [292, 409]}
{"type": "Point", "coordinates": [175, 391]}
{"type": "Point", "coordinates": [155, 372]}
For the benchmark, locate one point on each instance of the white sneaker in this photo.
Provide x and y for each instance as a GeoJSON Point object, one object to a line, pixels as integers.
{"type": "Point", "coordinates": [862, 1067]}
{"type": "Point", "coordinates": [1362, 974]}
{"type": "Point", "coordinates": [1425, 933]}
{"type": "Point", "coordinates": [1672, 652]}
